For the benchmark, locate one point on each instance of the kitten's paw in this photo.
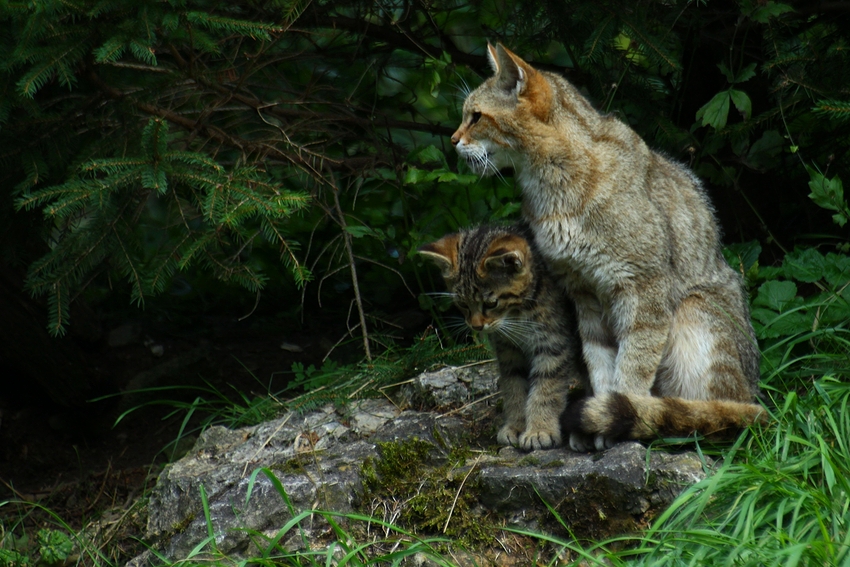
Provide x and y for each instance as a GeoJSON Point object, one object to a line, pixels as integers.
{"type": "Point", "coordinates": [508, 435]}
{"type": "Point", "coordinates": [540, 439]}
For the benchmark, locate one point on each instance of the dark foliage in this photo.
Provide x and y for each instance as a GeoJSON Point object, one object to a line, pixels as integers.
{"type": "Point", "coordinates": [182, 140]}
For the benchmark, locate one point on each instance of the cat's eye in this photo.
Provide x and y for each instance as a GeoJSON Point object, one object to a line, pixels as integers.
{"type": "Point", "coordinates": [476, 116]}
{"type": "Point", "coordinates": [491, 303]}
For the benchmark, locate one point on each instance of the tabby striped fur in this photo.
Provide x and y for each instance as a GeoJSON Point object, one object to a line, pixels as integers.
{"type": "Point", "coordinates": [504, 291]}
{"type": "Point", "coordinates": [632, 237]}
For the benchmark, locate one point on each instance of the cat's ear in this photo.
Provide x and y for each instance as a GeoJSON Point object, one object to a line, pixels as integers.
{"type": "Point", "coordinates": [508, 253]}
{"type": "Point", "coordinates": [443, 252]}
{"type": "Point", "coordinates": [493, 58]}
{"type": "Point", "coordinates": [524, 81]}
{"type": "Point", "coordinates": [510, 75]}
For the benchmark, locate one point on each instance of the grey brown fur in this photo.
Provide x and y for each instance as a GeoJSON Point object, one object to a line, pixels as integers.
{"type": "Point", "coordinates": [503, 289]}
{"type": "Point", "coordinates": [632, 237]}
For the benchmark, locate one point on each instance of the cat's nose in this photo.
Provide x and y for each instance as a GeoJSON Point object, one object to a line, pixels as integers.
{"type": "Point", "coordinates": [477, 327]}
{"type": "Point", "coordinates": [455, 139]}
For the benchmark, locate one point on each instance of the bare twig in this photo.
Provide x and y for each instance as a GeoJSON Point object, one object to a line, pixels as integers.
{"type": "Point", "coordinates": [346, 238]}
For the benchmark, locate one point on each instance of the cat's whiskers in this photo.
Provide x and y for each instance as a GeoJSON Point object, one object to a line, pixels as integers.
{"type": "Point", "coordinates": [519, 331]}
{"type": "Point", "coordinates": [457, 327]}
{"type": "Point", "coordinates": [440, 294]}
{"type": "Point", "coordinates": [464, 89]}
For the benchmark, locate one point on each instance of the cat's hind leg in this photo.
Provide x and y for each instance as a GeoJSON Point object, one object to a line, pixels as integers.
{"type": "Point", "coordinates": [710, 352]}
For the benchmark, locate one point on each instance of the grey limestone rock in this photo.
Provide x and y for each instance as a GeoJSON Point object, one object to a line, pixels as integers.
{"type": "Point", "coordinates": [595, 495]}
{"type": "Point", "coordinates": [316, 459]}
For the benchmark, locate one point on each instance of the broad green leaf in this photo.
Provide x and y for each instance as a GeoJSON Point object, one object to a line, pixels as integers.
{"type": "Point", "coordinates": [836, 269]}
{"type": "Point", "coordinates": [466, 179]}
{"type": "Point", "coordinates": [746, 73]}
{"type": "Point", "coordinates": [415, 175]}
{"type": "Point", "coordinates": [826, 193]}
{"type": "Point", "coordinates": [770, 10]}
{"type": "Point", "coordinates": [715, 112]}
{"type": "Point", "coordinates": [764, 152]}
{"type": "Point", "coordinates": [804, 265]}
{"type": "Point", "coordinates": [742, 103]}
{"type": "Point", "coordinates": [727, 72]}
{"type": "Point", "coordinates": [776, 295]}
{"type": "Point", "coordinates": [740, 142]}
{"type": "Point", "coordinates": [742, 256]}
{"type": "Point", "coordinates": [772, 325]}
{"type": "Point", "coordinates": [506, 210]}
{"type": "Point", "coordinates": [425, 302]}
{"type": "Point", "coordinates": [359, 231]}
{"type": "Point", "coordinates": [428, 154]}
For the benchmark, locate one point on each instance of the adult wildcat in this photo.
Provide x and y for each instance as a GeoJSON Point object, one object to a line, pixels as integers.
{"type": "Point", "coordinates": [503, 289]}
{"type": "Point", "coordinates": [632, 237]}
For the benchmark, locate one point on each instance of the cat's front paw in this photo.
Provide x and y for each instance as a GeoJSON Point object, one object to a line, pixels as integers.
{"type": "Point", "coordinates": [581, 442]}
{"type": "Point", "coordinates": [584, 443]}
{"type": "Point", "coordinates": [602, 442]}
{"type": "Point", "coordinates": [539, 439]}
{"type": "Point", "coordinates": [508, 435]}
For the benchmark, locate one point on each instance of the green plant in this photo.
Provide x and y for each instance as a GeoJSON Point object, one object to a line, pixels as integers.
{"type": "Point", "coordinates": [54, 546]}
{"type": "Point", "coordinates": [347, 545]}
{"type": "Point", "coordinates": [25, 543]}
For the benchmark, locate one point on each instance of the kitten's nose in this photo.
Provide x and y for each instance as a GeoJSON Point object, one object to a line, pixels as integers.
{"type": "Point", "coordinates": [455, 139]}
{"type": "Point", "coordinates": [477, 327]}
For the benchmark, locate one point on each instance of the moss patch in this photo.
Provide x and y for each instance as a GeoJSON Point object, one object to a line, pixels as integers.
{"type": "Point", "coordinates": [427, 499]}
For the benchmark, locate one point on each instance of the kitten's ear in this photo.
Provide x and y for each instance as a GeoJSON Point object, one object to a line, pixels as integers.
{"type": "Point", "coordinates": [443, 252]}
{"type": "Point", "coordinates": [508, 253]}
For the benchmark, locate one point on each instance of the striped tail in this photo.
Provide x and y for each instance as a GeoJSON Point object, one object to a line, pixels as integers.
{"type": "Point", "coordinates": [618, 416]}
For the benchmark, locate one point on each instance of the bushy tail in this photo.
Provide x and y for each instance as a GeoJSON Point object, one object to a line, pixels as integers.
{"type": "Point", "coordinates": [619, 416]}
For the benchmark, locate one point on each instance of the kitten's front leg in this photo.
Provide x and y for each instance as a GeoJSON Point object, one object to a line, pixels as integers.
{"type": "Point", "coordinates": [513, 387]}
{"type": "Point", "coordinates": [547, 399]}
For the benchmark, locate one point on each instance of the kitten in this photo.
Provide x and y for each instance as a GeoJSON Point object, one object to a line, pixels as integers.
{"type": "Point", "coordinates": [632, 237]}
{"type": "Point", "coordinates": [504, 291]}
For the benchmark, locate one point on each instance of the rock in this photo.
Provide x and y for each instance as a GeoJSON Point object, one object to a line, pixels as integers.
{"type": "Point", "coordinates": [452, 385]}
{"type": "Point", "coordinates": [254, 479]}
{"type": "Point", "coordinates": [595, 495]}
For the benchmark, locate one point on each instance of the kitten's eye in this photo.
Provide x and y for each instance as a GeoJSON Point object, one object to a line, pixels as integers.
{"type": "Point", "coordinates": [490, 303]}
{"type": "Point", "coordinates": [476, 116]}
{"type": "Point", "coordinates": [462, 306]}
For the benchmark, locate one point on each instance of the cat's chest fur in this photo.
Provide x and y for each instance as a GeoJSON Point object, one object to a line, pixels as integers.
{"type": "Point", "coordinates": [574, 252]}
